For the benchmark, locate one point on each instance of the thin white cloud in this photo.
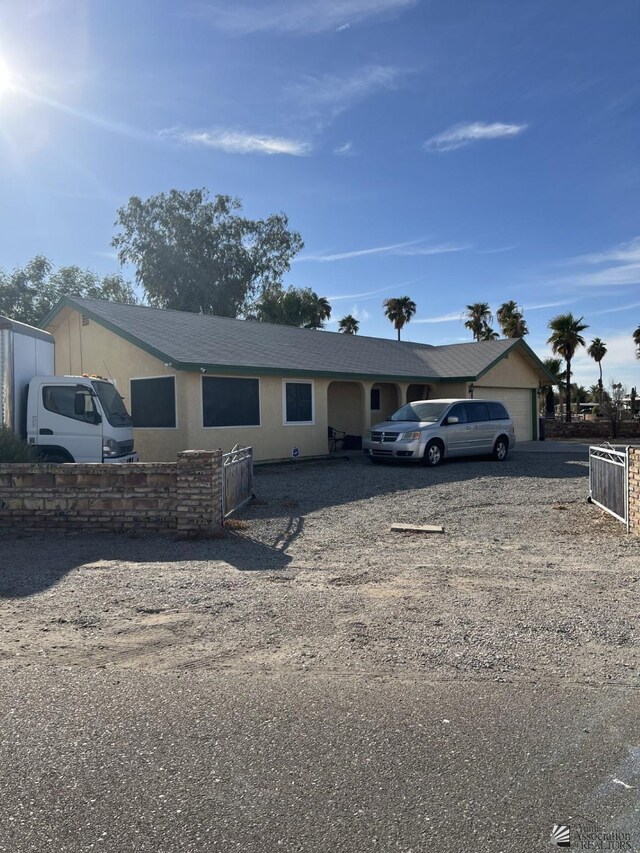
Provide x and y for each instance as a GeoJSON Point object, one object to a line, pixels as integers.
{"type": "Point", "coordinates": [331, 94]}
{"type": "Point", "coordinates": [345, 150]}
{"type": "Point", "coordinates": [442, 318]}
{"type": "Point", "coordinates": [238, 142]}
{"type": "Point", "coordinates": [410, 248]}
{"type": "Point", "coordinates": [631, 307]}
{"type": "Point", "coordinates": [623, 253]}
{"type": "Point", "coordinates": [547, 305]}
{"type": "Point", "coordinates": [342, 28]}
{"type": "Point", "coordinates": [461, 135]}
{"type": "Point", "coordinates": [295, 17]}
{"type": "Point", "coordinates": [366, 294]}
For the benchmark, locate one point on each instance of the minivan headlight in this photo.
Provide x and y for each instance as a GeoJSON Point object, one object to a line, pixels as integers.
{"type": "Point", "coordinates": [410, 436]}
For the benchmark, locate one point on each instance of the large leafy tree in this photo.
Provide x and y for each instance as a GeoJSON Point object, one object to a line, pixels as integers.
{"type": "Point", "coordinates": [349, 325]}
{"type": "Point", "coordinates": [636, 340]}
{"type": "Point", "coordinates": [488, 334]}
{"type": "Point", "coordinates": [597, 350]}
{"type": "Point", "coordinates": [28, 293]}
{"type": "Point", "coordinates": [194, 254]}
{"type": "Point", "coordinates": [554, 366]}
{"type": "Point", "coordinates": [399, 311]}
{"type": "Point", "coordinates": [565, 338]}
{"type": "Point", "coordinates": [293, 307]}
{"type": "Point", "coordinates": [511, 320]}
{"type": "Point", "coordinates": [478, 319]}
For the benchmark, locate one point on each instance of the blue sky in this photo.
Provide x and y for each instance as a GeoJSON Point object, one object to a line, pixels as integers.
{"type": "Point", "coordinates": [453, 151]}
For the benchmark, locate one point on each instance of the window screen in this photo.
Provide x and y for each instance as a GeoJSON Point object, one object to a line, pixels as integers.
{"type": "Point", "coordinates": [299, 402]}
{"type": "Point", "coordinates": [153, 402]}
{"type": "Point", "coordinates": [230, 402]}
{"type": "Point", "coordinates": [375, 399]}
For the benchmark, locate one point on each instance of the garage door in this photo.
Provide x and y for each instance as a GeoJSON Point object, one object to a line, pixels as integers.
{"type": "Point", "coordinates": [518, 402]}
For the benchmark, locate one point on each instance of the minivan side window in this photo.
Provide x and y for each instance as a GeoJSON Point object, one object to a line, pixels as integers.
{"type": "Point", "coordinates": [458, 411]}
{"type": "Point", "coordinates": [498, 412]}
{"type": "Point", "coordinates": [477, 412]}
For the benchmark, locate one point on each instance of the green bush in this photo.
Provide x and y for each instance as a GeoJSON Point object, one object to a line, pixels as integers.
{"type": "Point", "coordinates": [13, 448]}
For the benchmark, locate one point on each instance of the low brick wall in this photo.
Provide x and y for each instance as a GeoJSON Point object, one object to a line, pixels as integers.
{"type": "Point", "coordinates": [184, 496]}
{"type": "Point", "coordinates": [634, 490]}
{"type": "Point", "coordinates": [590, 429]}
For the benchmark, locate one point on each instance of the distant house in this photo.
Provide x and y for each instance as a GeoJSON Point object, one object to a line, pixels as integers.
{"type": "Point", "coordinates": [198, 381]}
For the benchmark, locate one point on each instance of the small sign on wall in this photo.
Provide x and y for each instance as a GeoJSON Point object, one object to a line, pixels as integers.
{"type": "Point", "coordinates": [295, 453]}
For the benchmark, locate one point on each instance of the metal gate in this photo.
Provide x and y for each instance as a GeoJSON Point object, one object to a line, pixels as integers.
{"type": "Point", "coordinates": [609, 480]}
{"type": "Point", "coordinates": [237, 478]}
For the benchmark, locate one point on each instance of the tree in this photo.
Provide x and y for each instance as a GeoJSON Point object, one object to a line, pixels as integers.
{"type": "Point", "coordinates": [28, 294]}
{"type": "Point", "coordinates": [636, 340]}
{"type": "Point", "coordinates": [614, 405]}
{"type": "Point", "coordinates": [554, 366]}
{"type": "Point", "coordinates": [349, 325]}
{"type": "Point", "coordinates": [511, 320]}
{"type": "Point", "coordinates": [193, 254]}
{"type": "Point", "coordinates": [478, 316]}
{"type": "Point", "coordinates": [597, 350]}
{"type": "Point", "coordinates": [488, 334]}
{"type": "Point", "coordinates": [565, 339]}
{"type": "Point", "coordinates": [293, 307]}
{"type": "Point", "coordinates": [399, 311]}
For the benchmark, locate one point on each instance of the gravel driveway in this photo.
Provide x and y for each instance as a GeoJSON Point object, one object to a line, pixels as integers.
{"type": "Point", "coordinates": [528, 582]}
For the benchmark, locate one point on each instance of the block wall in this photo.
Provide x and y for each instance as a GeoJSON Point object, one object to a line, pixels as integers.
{"type": "Point", "coordinates": [634, 490]}
{"type": "Point", "coordinates": [183, 497]}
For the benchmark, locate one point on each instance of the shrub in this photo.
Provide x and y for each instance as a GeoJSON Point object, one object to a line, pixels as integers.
{"type": "Point", "coordinates": [13, 448]}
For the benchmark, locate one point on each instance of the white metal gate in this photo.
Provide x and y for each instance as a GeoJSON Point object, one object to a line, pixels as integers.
{"type": "Point", "coordinates": [237, 478]}
{"type": "Point", "coordinates": [609, 480]}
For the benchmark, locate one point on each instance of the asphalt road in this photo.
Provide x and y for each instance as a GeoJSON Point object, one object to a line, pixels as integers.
{"type": "Point", "coordinates": [108, 760]}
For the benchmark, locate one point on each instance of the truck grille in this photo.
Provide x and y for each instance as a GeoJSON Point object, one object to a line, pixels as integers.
{"type": "Point", "coordinates": [125, 447]}
{"type": "Point", "coordinates": [384, 436]}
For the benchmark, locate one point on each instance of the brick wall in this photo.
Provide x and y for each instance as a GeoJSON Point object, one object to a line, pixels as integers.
{"type": "Point", "coordinates": [634, 490]}
{"type": "Point", "coordinates": [183, 497]}
{"type": "Point", "coordinates": [590, 429]}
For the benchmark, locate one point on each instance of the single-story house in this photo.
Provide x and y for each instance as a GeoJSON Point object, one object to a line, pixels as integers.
{"type": "Point", "coordinates": [199, 381]}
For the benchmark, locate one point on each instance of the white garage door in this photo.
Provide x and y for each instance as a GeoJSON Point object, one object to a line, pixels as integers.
{"type": "Point", "coordinates": [517, 401]}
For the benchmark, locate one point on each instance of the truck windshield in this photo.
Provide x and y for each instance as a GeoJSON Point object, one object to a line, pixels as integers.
{"type": "Point", "coordinates": [422, 412]}
{"type": "Point", "coordinates": [112, 403]}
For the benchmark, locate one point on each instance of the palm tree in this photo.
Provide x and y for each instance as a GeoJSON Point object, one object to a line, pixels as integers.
{"type": "Point", "coordinates": [597, 351]}
{"type": "Point", "coordinates": [554, 366]}
{"type": "Point", "coordinates": [488, 334]}
{"type": "Point", "coordinates": [565, 339]}
{"type": "Point", "coordinates": [399, 311]}
{"type": "Point", "coordinates": [349, 325]}
{"type": "Point", "coordinates": [511, 320]}
{"type": "Point", "coordinates": [478, 316]}
{"type": "Point", "coordinates": [636, 340]}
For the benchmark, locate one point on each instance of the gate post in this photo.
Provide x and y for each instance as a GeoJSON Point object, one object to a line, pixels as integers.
{"type": "Point", "coordinates": [199, 494]}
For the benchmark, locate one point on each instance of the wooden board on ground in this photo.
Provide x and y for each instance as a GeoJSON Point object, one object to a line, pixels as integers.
{"type": "Point", "coordinates": [417, 528]}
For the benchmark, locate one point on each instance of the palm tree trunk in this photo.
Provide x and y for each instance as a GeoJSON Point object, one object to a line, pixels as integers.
{"type": "Point", "coordinates": [600, 387]}
{"type": "Point", "coordinates": [568, 393]}
{"type": "Point", "coordinates": [398, 327]}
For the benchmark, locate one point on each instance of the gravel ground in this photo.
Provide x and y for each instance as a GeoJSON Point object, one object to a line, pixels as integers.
{"type": "Point", "coordinates": [528, 582]}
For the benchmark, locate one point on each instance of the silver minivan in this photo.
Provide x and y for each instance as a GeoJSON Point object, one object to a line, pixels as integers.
{"type": "Point", "coordinates": [429, 430]}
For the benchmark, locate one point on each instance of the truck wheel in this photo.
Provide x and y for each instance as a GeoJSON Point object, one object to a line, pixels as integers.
{"type": "Point", "coordinates": [433, 453]}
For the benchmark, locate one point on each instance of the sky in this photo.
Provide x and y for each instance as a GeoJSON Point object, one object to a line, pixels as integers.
{"type": "Point", "coordinates": [452, 151]}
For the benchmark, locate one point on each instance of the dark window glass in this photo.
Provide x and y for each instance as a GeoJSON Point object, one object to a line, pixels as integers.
{"type": "Point", "coordinates": [230, 402]}
{"type": "Point", "coordinates": [299, 407]}
{"type": "Point", "coordinates": [61, 400]}
{"type": "Point", "coordinates": [477, 412]}
{"type": "Point", "coordinates": [459, 411]}
{"type": "Point", "coordinates": [153, 402]}
{"type": "Point", "coordinates": [498, 412]}
{"type": "Point", "coordinates": [375, 399]}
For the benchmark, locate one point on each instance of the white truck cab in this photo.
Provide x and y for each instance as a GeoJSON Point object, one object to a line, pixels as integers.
{"type": "Point", "coordinates": [66, 418]}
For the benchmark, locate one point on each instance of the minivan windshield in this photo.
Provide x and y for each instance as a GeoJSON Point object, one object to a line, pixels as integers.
{"type": "Point", "coordinates": [113, 404]}
{"type": "Point", "coordinates": [423, 412]}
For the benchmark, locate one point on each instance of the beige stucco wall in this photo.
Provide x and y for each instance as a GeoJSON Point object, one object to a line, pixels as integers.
{"type": "Point", "coordinates": [513, 371]}
{"type": "Point", "coordinates": [346, 407]}
{"type": "Point", "coordinates": [390, 401]}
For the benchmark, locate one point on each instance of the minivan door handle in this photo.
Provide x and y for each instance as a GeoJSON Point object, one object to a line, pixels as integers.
{"type": "Point", "coordinates": [45, 431]}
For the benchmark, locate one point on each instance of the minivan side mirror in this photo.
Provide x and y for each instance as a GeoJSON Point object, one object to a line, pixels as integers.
{"type": "Point", "coordinates": [453, 419]}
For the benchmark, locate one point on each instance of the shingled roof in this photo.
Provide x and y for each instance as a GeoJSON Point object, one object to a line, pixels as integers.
{"type": "Point", "coordinates": [190, 341]}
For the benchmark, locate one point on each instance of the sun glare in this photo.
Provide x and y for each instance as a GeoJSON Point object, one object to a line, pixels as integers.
{"type": "Point", "coordinates": [7, 80]}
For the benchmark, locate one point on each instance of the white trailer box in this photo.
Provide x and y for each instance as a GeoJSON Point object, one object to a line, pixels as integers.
{"type": "Point", "coordinates": [25, 352]}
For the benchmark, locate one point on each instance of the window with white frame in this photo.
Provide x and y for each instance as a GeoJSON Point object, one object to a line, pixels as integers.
{"type": "Point", "coordinates": [298, 402]}
{"type": "Point", "coordinates": [230, 401]}
{"type": "Point", "coordinates": [153, 402]}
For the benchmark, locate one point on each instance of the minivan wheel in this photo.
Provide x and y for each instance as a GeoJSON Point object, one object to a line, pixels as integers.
{"type": "Point", "coordinates": [500, 449]}
{"type": "Point", "coordinates": [433, 453]}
